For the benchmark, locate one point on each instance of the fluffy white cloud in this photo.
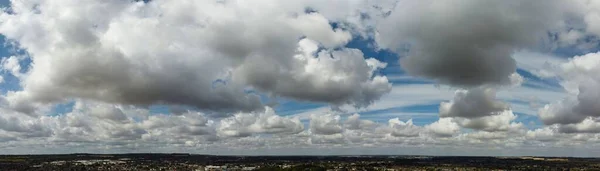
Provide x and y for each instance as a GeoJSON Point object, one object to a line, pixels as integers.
{"type": "Point", "coordinates": [582, 81]}
{"type": "Point", "coordinates": [223, 60]}
{"type": "Point", "coordinates": [500, 122]}
{"type": "Point", "coordinates": [205, 54]}
{"type": "Point", "coordinates": [81, 130]}
{"type": "Point", "coordinates": [246, 124]}
{"type": "Point", "coordinates": [545, 134]}
{"type": "Point", "coordinates": [444, 127]}
{"type": "Point", "coordinates": [339, 77]}
{"type": "Point", "coordinates": [404, 129]}
{"type": "Point", "coordinates": [588, 14]}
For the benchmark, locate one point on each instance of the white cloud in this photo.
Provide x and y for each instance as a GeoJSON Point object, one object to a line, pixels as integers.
{"type": "Point", "coordinates": [404, 129]}
{"type": "Point", "coordinates": [12, 65]}
{"type": "Point", "coordinates": [203, 54]}
{"type": "Point", "coordinates": [444, 127]}
{"type": "Point", "coordinates": [494, 123]}
{"type": "Point", "coordinates": [543, 134]}
{"type": "Point", "coordinates": [246, 124]}
{"type": "Point", "coordinates": [216, 64]}
{"type": "Point", "coordinates": [580, 75]}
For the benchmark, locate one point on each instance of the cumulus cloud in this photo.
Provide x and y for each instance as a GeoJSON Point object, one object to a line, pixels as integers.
{"type": "Point", "coordinates": [354, 122]}
{"type": "Point", "coordinates": [244, 124]}
{"type": "Point", "coordinates": [101, 111]}
{"type": "Point", "coordinates": [194, 131]}
{"type": "Point", "coordinates": [582, 82]}
{"type": "Point", "coordinates": [587, 17]}
{"type": "Point", "coordinates": [448, 42]}
{"type": "Point", "coordinates": [501, 122]}
{"type": "Point", "coordinates": [24, 128]}
{"type": "Point", "coordinates": [473, 103]}
{"type": "Point", "coordinates": [204, 54]}
{"type": "Point", "coordinates": [98, 123]}
{"type": "Point", "coordinates": [339, 77]}
{"type": "Point", "coordinates": [113, 59]}
{"type": "Point", "coordinates": [586, 126]}
{"type": "Point", "coordinates": [325, 124]}
{"type": "Point", "coordinates": [478, 109]}
{"type": "Point", "coordinates": [404, 129]}
{"type": "Point", "coordinates": [484, 135]}
{"type": "Point", "coordinates": [444, 127]}
{"type": "Point", "coordinates": [543, 134]}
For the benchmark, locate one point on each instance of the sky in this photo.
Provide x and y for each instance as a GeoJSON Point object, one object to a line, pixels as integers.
{"type": "Point", "coordinates": [304, 77]}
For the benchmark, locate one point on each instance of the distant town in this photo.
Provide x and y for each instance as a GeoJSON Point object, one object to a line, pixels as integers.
{"type": "Point", "coordinates": [170, 162]}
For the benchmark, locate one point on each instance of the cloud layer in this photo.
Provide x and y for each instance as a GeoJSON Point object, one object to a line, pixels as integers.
{"type": "Point", "coordinates": [97, 75]}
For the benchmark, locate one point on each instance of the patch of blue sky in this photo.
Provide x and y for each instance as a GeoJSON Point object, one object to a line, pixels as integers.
{"type": "Point", "coordinates": [406, 79]}
{"type": "Point", "coordinates": [159, 109]}
{"type": "Point", "coordinates": [529, 121]}
{"type": "Point", "coordinates": [11, 83]}
{"type": "Point", "coordinates": [418, 118]}
{"type": "Point", "coordinates": [393, 71]}
{"type": "Point", "coordinates": [421, 114]}
{"type": "Point", "coordinates": [368, 48]}
{"type": "Point", "coordinates": [422, 121]}
{"type": "Point", "coordinates": [61, 109]}
{"type": "Point", "coordinates": [305, 122]}
{"type": "Point", "coordinates": [290, 107]}
{"type": "Point", "coordinates": [539, 85]}
{"type": "Point", "coordinates": [4, 3]}
{"type": "Point", "coordinates": [534, 81]}
{"type": "Point", "coordinates": [518, 101]}
{"type": "Point", "coordinates": [420, 108]}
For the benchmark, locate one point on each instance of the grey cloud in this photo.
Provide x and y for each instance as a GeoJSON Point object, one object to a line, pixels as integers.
{"type": "Point", "coordinates": [327, 124]}
{"type": "Point", "coordinates": [354, 122]}
{"type": "Point", "coordinates": [466, 42]}
{"type": "Point", "coordinates": [477, 109]}
{"type": "Point", "coordinates": [336, 138]}
{"type": "Point", "coordinates": [24, 128]}
{"type": "Point", "coordinates": [586, 126]}
{"type": "Point", "coordinates": [473, 103]}
{"type": "Point", "coordinates": [560, 113]}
